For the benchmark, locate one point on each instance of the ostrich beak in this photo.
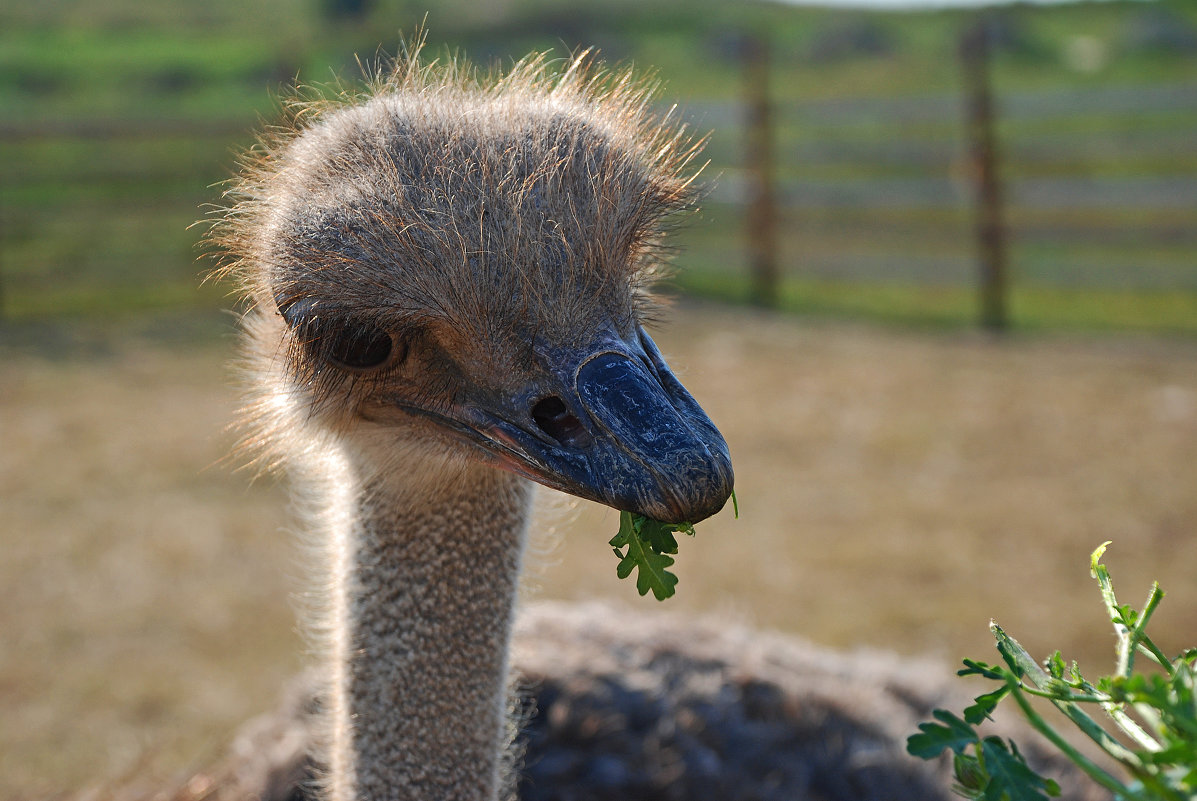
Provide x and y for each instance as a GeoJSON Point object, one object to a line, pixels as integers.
{"type": "Point", "coordinates": [622, 431]}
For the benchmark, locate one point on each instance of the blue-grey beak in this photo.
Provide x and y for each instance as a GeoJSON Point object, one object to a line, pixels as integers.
{"type": "Point", "coordinates": [621, 430]}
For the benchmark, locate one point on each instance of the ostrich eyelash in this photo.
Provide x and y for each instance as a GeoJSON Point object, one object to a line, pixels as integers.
{"type": "Point", "coordinates": [331, 356]}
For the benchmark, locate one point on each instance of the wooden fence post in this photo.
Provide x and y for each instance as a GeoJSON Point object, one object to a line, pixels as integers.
{"type": "Point", "coordinates": [983, 158]}
{"type": "Point", "coordinates": [3, 305]}
{"type": "Point", "coordinates": [761, 210]}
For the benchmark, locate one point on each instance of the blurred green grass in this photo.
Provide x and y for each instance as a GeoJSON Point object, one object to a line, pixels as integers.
{"type": "Point", "coordinates": [118, 123]}
{"type": "Point", "coordinates": [1033, 309]}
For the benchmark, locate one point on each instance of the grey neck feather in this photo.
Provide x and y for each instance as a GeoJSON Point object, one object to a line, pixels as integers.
{"type": "Point", "coordinates": [422, 606]}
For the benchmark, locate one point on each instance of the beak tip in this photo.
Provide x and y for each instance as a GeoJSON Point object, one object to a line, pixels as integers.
{"type": "Point", "coordinates": [704, 495]}
{"type": "Point", "coordinates": [712, 503]}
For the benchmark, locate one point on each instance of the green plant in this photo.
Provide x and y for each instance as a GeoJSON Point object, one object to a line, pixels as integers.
{"type": "Point", "coordinates": [1155, 713]}
{"type": "Point", "coordinates": [647, 546]}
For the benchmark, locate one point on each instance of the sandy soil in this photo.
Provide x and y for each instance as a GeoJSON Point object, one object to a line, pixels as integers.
{"type": "Point", "coordinates": [896, 489]}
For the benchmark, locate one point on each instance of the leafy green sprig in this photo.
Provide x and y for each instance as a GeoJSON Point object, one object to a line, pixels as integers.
{"type": "Point", "coordinates": [647, 546]}
{"type": "Point", "coordinates": [1156, 714]}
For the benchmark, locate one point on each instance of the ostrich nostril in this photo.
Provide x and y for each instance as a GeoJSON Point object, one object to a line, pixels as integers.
{"type": "Point", "coordinates": [553, 417]}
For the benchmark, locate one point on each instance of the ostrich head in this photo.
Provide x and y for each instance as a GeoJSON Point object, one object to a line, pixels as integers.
{"type": "Point", "coordinates": [457, 269]}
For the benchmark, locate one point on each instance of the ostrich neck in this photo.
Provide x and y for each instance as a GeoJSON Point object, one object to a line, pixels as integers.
{"type": "Point", "coordinates": [428, 563]}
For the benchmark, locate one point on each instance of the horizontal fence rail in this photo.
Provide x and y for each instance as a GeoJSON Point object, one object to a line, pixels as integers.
{"type": "Point", "coordinates": [1100, 192]}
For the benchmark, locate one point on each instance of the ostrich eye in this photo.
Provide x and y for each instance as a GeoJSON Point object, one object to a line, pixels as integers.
{"type": "Point", "coordinates": [360, 348]}
{"type": "Point", "coordinates": [343, 342]}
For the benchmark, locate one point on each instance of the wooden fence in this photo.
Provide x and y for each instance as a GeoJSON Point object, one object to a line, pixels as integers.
{"type": "Point", "coordinates": [1078, 189]}
{"type": "Point", "coordinates": [1096, 188]}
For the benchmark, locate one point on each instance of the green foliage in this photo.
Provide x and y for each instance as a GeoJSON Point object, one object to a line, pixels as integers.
{"type": "Point", "coordinates": [1156, 713]}
{"type": "Point", "coordinates": [995, 769]}
{"type": "Point", "coordinates": [648, 545]}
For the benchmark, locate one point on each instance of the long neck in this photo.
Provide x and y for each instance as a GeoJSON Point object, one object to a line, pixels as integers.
{"type": "Point", "coordinates": [422, 604]}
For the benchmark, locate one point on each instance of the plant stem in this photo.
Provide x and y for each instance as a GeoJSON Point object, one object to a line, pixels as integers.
{"type": "Point", "coordinates": [1114, 710]}
{"type": "Point", "coordinates": [1129, 638]}
{"type": "Point", "coordinates": [1142, 641]}
{"type": "Point", "coordinates": [1083, 762]}
{"type": "Point", "coordinates": [1024, 663]}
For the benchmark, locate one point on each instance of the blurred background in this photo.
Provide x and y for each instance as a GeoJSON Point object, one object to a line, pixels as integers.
{"type": "Point", "coordinates": [941, 298]}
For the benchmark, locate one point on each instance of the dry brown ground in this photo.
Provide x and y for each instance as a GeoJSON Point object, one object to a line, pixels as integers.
{"type": "Point", "coordinates": [896, 489]}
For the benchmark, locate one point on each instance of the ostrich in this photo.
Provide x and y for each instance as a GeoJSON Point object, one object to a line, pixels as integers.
{"type": "Point", "coordinates": [447, 279]}
{"type": "Point", "coordinates": [447, 282]}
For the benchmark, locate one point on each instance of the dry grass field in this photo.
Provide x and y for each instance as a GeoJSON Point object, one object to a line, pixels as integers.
{"type": "Point", "coordinates": [896, 488]}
